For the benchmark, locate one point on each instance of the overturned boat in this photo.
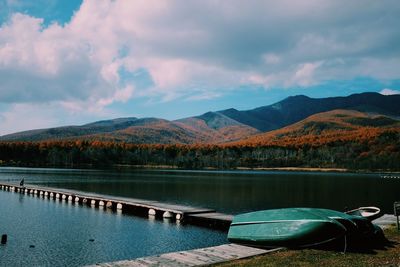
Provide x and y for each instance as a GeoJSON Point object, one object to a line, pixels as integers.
{"type": "Point", "coordinates": [299, 227]}
{"type": "Point", "coordinates": [295, 227]}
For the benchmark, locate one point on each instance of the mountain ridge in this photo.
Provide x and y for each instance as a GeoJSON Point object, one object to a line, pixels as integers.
{"type": "Point", "coordinates": [214, 126]}
{"type": "Point", "coordinates": [296, 108]}
{"type": "Point", "coordinates": [326, 127]}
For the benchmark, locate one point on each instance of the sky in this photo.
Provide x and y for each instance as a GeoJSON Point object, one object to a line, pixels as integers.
{"type": "Point", "coordinates": [73, 62]}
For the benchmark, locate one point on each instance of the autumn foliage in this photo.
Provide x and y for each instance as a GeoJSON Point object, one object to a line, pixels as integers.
{"type": "Point", "coordinates": [339, 139]}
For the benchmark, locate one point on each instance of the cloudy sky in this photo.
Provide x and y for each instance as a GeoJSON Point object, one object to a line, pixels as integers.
{"type": "Point", "coordinates": [73, 62]}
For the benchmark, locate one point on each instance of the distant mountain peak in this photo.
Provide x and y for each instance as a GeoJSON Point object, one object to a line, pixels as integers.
{"type": "Point", "coordinates": [217, 120]}
{"type": "Point", "coordinates": [228, 110]}
{"type": "Point", "coordinates": [111, 121]}
{"type": "Point", "coordinates": [224, 125]}
{"type": "Point", "coordinates": [296, 97]}
{"type": "Point", "coordinates": [295, 108]}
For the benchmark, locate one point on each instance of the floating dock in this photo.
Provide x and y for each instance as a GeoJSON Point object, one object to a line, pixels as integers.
{"type": "Point", "coordinates": [195, 257]}
{"type": "Point", "coordinates": [179, 213]}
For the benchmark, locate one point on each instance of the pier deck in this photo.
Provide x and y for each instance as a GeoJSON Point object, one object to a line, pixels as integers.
{"type": "Point", "coordinates": [195, 257]}
{"type": "Point", "coordinates": [193, 215]}
{"type": "Point", "coordinates": [385, 221]}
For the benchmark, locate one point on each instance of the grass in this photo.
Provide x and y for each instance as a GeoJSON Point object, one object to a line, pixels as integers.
{"type": "Point", "coordinates": [387, 255]}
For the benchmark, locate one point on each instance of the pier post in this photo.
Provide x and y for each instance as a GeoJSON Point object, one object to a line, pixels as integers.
{"type": "Point", "coordinates": [396, 207]}
{"type": "Point", "coordinates": [178, 217]}
{"type": "Point", "coordinates": [167, 215]}
{"type": "Point", "coordinates": [4, 239]}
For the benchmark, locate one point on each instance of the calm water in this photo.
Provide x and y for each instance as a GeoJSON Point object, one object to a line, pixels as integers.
{"type": "Point", "coordinates": [60, 231]}
{"type": "Point", "coordinates": [230, 192]}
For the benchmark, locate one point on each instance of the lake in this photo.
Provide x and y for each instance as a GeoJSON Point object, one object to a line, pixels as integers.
{"type": "Point", "coordinates": [64, 234]}
{"type": "Point", "coordinates": [61, 231]}
{"type": "Point", "coordinates": [226, 191]}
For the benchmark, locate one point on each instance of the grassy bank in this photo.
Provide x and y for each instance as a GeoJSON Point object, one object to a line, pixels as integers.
{"type": "Point", "coordinates": [385, 256]}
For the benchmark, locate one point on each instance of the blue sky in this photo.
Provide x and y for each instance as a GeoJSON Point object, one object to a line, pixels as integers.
{"type": "Point", "coordinates": [73, 62]}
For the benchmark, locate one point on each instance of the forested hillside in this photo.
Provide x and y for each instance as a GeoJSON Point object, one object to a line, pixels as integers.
{"type": "Point", "coordinates": [375, 150]}
{"type": "Point", "coordinates": [341, 138]}
{"type": "Point", "coordinates": [212, 127]}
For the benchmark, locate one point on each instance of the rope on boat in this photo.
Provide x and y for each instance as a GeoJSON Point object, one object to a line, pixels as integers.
{"type": "Point", "coordinates": [345, 244]}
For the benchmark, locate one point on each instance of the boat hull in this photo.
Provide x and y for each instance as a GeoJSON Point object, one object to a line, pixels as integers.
{"type": "Point", "coordinates": [295, 227]}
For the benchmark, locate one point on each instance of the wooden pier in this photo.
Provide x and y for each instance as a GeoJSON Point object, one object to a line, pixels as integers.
{"type": "Point", "coordinates": [195, 257]}
{"type": "Point", "coordinates": [179, 213]}
{"type": "Point", "coordinates": [152, 209]}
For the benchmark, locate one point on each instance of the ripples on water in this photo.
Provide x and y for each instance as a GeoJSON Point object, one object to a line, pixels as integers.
{"type": "Point", "coordinates": [226, 191]}
{"type": "Point", "coordinates": [61, 231]}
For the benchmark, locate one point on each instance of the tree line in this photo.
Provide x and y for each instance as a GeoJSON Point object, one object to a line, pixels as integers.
{"type": "Point", "coordinates": [379, 153]}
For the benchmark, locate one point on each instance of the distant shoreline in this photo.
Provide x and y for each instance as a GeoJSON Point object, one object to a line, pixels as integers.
{"type": "Point", "coordinates": [308, 169]}
{"type": "Point", "coordinates": [303, 169]}
{"type": "Point", "coordinates": [174, 167]}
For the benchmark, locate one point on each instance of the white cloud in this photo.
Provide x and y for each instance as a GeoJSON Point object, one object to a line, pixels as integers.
{"type": "Point", "coordinates": [203, 96]}
{"type": "Point", "coordinates": [388, 91]}
{"type": "Point", "coordinates": [194, 50]}
{"type": "Point", "coordinates": [271, 58]}
{"type": "Point", "coordinates": [304, 75]}
{"type": "Point", "coordinates": [189, 44]}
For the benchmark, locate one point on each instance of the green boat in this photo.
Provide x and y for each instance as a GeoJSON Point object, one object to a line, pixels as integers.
{"type": "Point", "coordinates": [302, 227]}
{"type": "Point", "coordinates": [293, 227]}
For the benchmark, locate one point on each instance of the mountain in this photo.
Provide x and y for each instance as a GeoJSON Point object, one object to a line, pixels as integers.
{"type": "Point", "coordinates": [296, 108]}
{"type": "Point", "coordinates": [215, 127]}
{"type": "Point", "coordinates": [327, 127]}
{"type": "Point", "coordinates": [207, 128]}
{"type": "Point", "coordinates": [72, 131]}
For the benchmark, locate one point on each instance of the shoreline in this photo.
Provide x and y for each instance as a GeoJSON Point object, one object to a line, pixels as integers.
{"type": "Point", "coordinates": [289, 169]}
{"type": "Point", "coordinates": [174, 167]}
{"type": "Point", "coordinates": [311, 169]}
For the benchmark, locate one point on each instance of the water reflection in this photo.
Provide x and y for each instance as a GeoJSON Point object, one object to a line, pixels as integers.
{"type": "Point", "coordinates": [61, 232]}
{"type": "Point", "coordinates": [231, 192]}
